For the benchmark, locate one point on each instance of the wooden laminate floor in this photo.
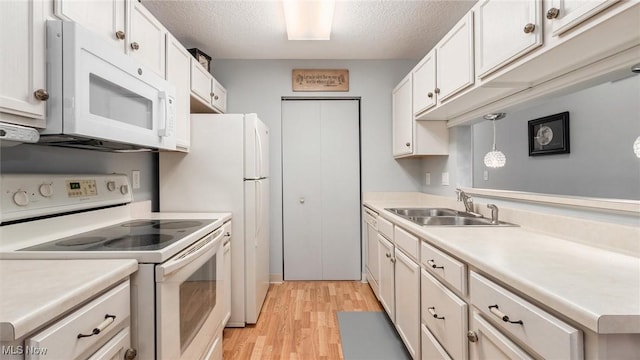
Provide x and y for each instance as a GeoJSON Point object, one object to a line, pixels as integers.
{"type": "Point", "coordinates": [299, 321]}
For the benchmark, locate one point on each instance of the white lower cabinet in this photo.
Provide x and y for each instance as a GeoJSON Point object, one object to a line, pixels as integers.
{"type": "Point", "coordinates": [540, 331]}
{"type": "Point", "coordinates": [445, 315]}
{"type": "Point", "coordinates": [371, 241]}
{"type": "Point", "coordinates": [486, 342]}
{"type": "Point", "coordinates": [407, 281]}
{"type": "Point", "coordinates": [116, 348]}
{"type": "Point", "coordinates": [386, 282]}
{"type": "Point", "coordinates": [431, 348]}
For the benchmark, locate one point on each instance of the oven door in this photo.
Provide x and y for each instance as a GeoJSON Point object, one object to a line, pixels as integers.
{"type": "Point", "coordinates": [189, 299]}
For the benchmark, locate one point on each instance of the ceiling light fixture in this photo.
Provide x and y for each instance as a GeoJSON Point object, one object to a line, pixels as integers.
{"type": "Point", "coordinates": [495, 158]}
{"type": "Point", "coordinates": [636, 147]}
{"type": "Point", "coordinates": [308, 19]}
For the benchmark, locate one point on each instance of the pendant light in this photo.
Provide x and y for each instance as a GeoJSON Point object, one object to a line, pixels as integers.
{"type": "Point", "coordinates": [494, 158]}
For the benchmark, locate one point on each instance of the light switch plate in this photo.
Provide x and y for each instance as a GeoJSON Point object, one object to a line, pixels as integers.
{"type": "Point", "coordinates": [135, 179]}
{"type": "Point", "coordinates": [445, 178]}
{"type": "Point", "coordinates": [427, 178]}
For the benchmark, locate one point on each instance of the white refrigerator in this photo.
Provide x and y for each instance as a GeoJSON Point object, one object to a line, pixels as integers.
{"type": "Point", "coordinates": [227, 169]}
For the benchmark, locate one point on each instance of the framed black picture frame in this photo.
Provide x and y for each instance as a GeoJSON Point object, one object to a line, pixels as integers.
{"type": "Point", "coordinates": [549, 135]}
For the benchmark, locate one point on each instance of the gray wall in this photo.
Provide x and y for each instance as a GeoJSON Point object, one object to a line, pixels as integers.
{"type": "Point", "coordinates": [604, 122]}
{"type": "Point", "coordinates": [258, 85]}
{"type": "Point", "coordinates": [457, 164]}
{"type": "Point", "coordinates": [54, 160]}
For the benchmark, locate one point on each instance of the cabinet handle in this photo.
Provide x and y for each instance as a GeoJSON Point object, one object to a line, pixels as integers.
{"type": "Point", "coordinates": [495, 311]}
{"type": "Point", "coordinates": [135, 45]}
{"type": "Point", "coordinates": [108, 320]}
{"type": "Point", "coordinates": [41, 94]}
{"type": "Point", "coordinates": [432, 311]}
{"type": "Point", "coordinates": [130, 354]}
{"type": "Point", "coordinates": [529, 28]}
{"type": "Point", "coordinates": [432, 263]}
{"type": "Point", "coordinates": [407, 144]}
{"type": "Point", "coordinates": [436, 90]}
{"type": "Point", "coordinates": [215, 97]}
{"type": "Point", "coordinates": [472, 336]}
{"type": "Point", "coordinates": [393, 260]}
{"type": "Point", "coordinates": [120, 35]}
{"type": "Point", "coordinates": [388, 255]}
{"type": "Point", "coordinates": [430, 95]}
{"type": "Point", "coordinates": [553, 13]}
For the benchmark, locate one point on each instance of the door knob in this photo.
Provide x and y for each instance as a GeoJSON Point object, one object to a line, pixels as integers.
{"type": "Point", "coordinates": [301, 200]}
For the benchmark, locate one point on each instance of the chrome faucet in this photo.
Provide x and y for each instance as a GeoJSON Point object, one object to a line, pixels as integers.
{"type": "Point", "coordinates": [494, 213]}
{"type": "Point", "coordinates": [466, 200]}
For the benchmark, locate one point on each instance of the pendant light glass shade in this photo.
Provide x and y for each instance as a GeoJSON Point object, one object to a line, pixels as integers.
{"type": "Point", "coordinates": [636, 147]}
{"type": "Point", "coordinates": [494, 158]}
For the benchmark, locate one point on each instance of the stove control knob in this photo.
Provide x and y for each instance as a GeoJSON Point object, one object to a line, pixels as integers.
{"type": "Point", "coordinates": [124, 189]}
{"type": "Point", "coordinates": [46, 190]}
{"type": "Point", "coordinates": [21, 198]}
{"type": "Point", "coordinates": [111, 185]}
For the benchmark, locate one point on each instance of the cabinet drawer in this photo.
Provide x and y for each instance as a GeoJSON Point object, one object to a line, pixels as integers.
{"type": "Point", "coordinates": [445, 315]}
{"type": "Point", "coordinates": [61, 339]}
{"type": "Point", "coordinates": [407, 242]}
{"type": "Point", "coordinates": [385, 228]}
{"type": "Point", "coordinates": [490, 343]}
{"type": "Point", "coordinates": [431, 349]}
{"type": "Point", "coordinates": [443, 266]}
{"type": "Point", "coordinates": [541, 331]}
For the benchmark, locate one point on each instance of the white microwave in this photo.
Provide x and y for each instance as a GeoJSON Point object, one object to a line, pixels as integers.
{"type": "Point", "coordinates": [101, 98]}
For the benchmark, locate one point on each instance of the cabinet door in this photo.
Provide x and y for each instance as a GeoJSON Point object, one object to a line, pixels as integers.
{"type": "Point", "coordinates": [424, 84]}
{"type": "Point", "coordinates": [454, 59]}
{"type": "Point", "coordinates": [431, 348]}
{"type": "Point", "coordinates": [104, 17]}
{"type": "Point", "coordinates": [218, 96]}
{"type": "Point", "coordinates": [506, 30]}
{"type": "Point", "coordinates": [178, 70]}
{"type": "Point", "coordinates": [372, 254]}
{"type": "Point", "coordinates": [386, 281]}
{"type": "Point", "coordinates": [402, 118]}
{"type": "Point", "coordinates": [486, 342]}
{"type": "Point", "coordinates": [116, 348]}
{"type": "Point", "coordinates": [572, 12]}
{"type": "Point", "coordinates": [407, 281]}
{"type": "Point", "coordinates": [200, 83]}
{"type": "Point", "coordinates": [22, 63]}
{"type": "Point", "coordinates": [146, 38]}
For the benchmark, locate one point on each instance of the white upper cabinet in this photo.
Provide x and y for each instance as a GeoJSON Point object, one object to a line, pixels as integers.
{"type": "Point", "coordinates": [454, 59]}
{"type": "Point", "coordinates": [146, 40]}
{"type": "Point", "coordinates": [506, 30]}
{"type": "Point", "coordinates": [23, 91]}
{"type": "Point", "coordinates": [208, 95]}
{"type": "Point", "coordinates": [218, 96]}
{"type": "Point", "coordinates": [424, 84]}
{"type": "Point", "coordinates": [104, 17]}
{"type": "Point", "coordinates": [178, 66]}
{"type": "Point", "coordinates": [566, 14]}
{"type": "Point", "coordinates": [402, 118]}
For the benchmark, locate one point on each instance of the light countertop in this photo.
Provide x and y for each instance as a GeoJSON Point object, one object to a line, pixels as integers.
{"type": "Point", "coordinates": [598, 289]}
{"type": "Point", "coordinates": [34, 292]}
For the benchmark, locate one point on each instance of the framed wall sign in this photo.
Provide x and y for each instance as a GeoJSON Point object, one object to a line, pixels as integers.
{"type": "Point", "coordinates": [549, 135]}
{"type": "Point", "coordinates": [320, 80]}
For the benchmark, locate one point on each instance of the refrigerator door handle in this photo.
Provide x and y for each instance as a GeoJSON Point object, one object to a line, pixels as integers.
{"type": "Point", "coordinates": [258, 153]}
{"type": "Point", "coordinates": [258, 210]}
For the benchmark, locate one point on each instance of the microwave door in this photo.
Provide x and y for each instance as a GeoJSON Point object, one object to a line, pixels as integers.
{"type": "Point", "coordinates": [109, 96]}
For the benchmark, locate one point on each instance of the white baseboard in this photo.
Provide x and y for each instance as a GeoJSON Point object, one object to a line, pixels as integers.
{"type": "Point", "coordinates": [276, 278]}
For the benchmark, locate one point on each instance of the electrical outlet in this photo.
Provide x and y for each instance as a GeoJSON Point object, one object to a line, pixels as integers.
{"type": "Point", "coordinates": [486, 175]}
{"type": "Point", "coordinates": [135, 179]}
{"type": "Point", "coordinates": [445, 178]}
{"type": "Point", "coordinates": [427, 178]}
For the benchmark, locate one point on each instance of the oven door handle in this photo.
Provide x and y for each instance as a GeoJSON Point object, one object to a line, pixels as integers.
{"type": "Point", "coordinates": [188, 255]}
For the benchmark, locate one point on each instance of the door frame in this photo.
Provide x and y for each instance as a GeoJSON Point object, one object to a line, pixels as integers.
{"type": "Point", "coordinates": [325, 98]}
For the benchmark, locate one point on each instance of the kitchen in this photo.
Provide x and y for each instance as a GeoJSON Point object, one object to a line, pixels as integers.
{"type": "Point", "coordinates": [372, 81]}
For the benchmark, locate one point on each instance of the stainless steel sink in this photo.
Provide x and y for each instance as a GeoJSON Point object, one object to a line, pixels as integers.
{"type": "Point", "coordinates": [444, 217]}
{"type": "Point", "coordinates": [405, 212]}
{"type": "Point", "coordinates": [454, 221]}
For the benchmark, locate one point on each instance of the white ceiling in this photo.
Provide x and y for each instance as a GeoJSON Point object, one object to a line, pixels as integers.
{"type": "Point", "coordinates": [362, 29]}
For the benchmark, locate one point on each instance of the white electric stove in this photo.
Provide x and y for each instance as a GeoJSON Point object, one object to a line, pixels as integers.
{"type": "Point", "coordinates": [91, 217]}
